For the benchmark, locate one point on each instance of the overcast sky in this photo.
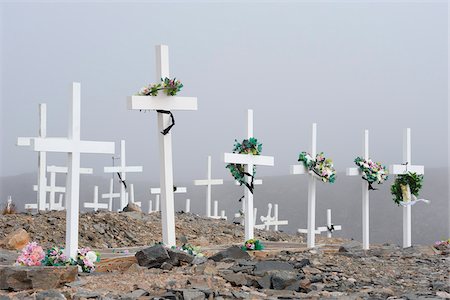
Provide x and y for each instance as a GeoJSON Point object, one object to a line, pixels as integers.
{"type": "Point", "coordinates": [347, 66]}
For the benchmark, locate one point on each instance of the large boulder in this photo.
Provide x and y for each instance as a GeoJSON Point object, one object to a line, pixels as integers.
{"type": "Point", "coordinates": [153, 257]}
{"type": "Point", "coordinates": [233, 252]}
{"type": "Point", "coordinates": [18, 278]}
{"type": "Point", "coordinates": [16, 240]}
{"type": "Point", "coordinates": [262, 267]}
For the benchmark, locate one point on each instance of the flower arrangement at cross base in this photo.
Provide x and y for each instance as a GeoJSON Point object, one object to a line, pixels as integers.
{"type": "Point", "coordinates": [33, 255]}
{"type": "Point", "coordinates": [189, 249]}
{"type": "Point", "coordinates": [171, 87]}
{"type": "Point", "coordinates": [252, 245]}
{"type": "Point", "coordinates": [399, 189]}
{"type": "Point", "coordinates": [443, 246]}
{"type": "Point", "coordinates": [249, 146]}
{"type": "Point", "coordinates": [372, 172]}
{"type": "Point", "coordinates": [322, 167]}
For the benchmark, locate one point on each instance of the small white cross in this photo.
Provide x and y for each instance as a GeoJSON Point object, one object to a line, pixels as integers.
{"type": "Point", "coordinates": [157, 192]}
{"type": "Point", "coordinates": [216, 215]}
{"type": "Point", "coordinates": [330, 228]}
{"type": "Point", "coordinates": [268, 220]}
{"type": "Point", "coordinates": [168, 103]}
{"type": "Point", "coordinates": [208, 183]}
{"type": "Point", "coordinates": [249, 161]}
{"type": "Point", "coordinates": [73, 146]}
{"type": "Point", "coordinates": [111, 195]}
{"type": "Point", "coordinates": [130, 196]}
{"type": "Point", "coordinates": [123, 169]}
{"type": "Point", "coordinates": [404, 169]}
{"type": "Point", "coordinates": [95, 204]}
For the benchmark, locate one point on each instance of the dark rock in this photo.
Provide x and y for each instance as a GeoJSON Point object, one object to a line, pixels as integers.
{"type": "Point", "coordinates": [50, 295]}
{"type": "Point", "coordinates": [23, 278]}
{"type": "Point", "coordinates": [166, 266]}
{"type": "Point", "coordinates": [265, 282]}
{"type": "Point", "coordinates": [135, 294]}
{"type": "Point", "coordinates": [316, 278]}
{"type": "Point", "coordinates": [169, 296]}
{"type": "Point", "coordinates": [8, 257]}
{"type": "Point", "coordinates": [236, 279]}
{"type": "Point", "coordinates": [86, 294]}
{"type": "Point", "coordinates": [263, 267]}
{"type": "Point", "coordinates": [234, 252]}
{"type": "Point", "coordinates": [177, 256]}
{"type": "Point", "coordinates": [282, 279]}
{"type": "Point", "coordinates": [440, 286]}
{"type": "Point", "coordinates": [198, 260]}
{"type": "Point", "coordinates": [189, 294]}
{"type": "Point", "coordinates": [152, 257]}
{"type": "Point", "coordinates": [303, 263]}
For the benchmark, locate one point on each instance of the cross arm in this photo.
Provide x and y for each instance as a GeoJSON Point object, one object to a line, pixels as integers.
{"type": "Point", "coordinates": [122, 169]}
{"type": "Point", "coordinates": [403, 169]}
{"type": "Point", "coordinates": [162, 102]}
{"type": "Point", "coordinates": [23, 141]}
{"type": "Point", "coordinates": [325, 229]}
{"type": "Point", "coordinates": [298, 169]}
{"type": "Point", "coordinates": [259, 160]}
{"type": "Point", "coordinates": [69, 145]}
{"type": "Point", "coordinates": [207, 182]}
{"type": "Point", "coordinates": [353, 172]}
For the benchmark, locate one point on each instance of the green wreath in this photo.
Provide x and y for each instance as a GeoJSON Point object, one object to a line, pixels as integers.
{"type": "Point", "coordinates": [248, 146]}
{"type": "Point", "coordinates": [415, 182]}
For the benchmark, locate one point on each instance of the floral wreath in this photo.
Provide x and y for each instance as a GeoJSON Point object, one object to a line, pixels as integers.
{"type": "Point", "coordinates": [320, 166]}
{"type": "Point", "coordinates": [252, 244]}
{"type": "Point", "coordinates": [248, 146]}
{"type": "Point", "coordinates": [372, 171]}
{"type": "Point", "coordinates": [399, 188]}
{"type": "Point", "coordinates": [171, 87]}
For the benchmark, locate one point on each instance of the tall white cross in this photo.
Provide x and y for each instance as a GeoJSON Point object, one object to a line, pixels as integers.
{"type": "Point", "coordinates": [208, 183]}
{"type": "Point", "coordinates": [130, 196]}
{"type": "Point", "coordinates": [249, 161]}
{"type": "Point", "coordinates": [365, 193]}
{"type": "Point", "coordinates": [73, 146]}
{"type": "Point", "coordinates": [42, 158]}
{"type": "Point", "coordinates": [301, 169]}
{"type": "Point", "coordinates": [167, 103]}
{"type": "Point", "coordinates": [95, 204]}
{"type": "Point", "coordinates": [123, 169]}
{"type": "Point", "coordinates": [111, 195]}
{"type": "Point", "coordinates": [404, 169]}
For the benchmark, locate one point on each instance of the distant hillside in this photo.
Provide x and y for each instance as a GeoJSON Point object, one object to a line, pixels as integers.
{"type": "Point", "coordinates": [430, 222]}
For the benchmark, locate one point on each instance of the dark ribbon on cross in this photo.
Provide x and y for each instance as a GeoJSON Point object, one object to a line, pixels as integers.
{"type": "Point", "coordinates": [240, 199]}
{"type": "Point", "coordinates": [371, 187]}
{"type": "Point", "coordinates": [331, 228]}
{"type": "Point", "coordinates": [167, 112]}
{"type": "Point", "coordinates": [250, 186]}
{"type": "Point", "coordinates": [174, 188]}
{"type": "Point", "coordinates": [122, 181]}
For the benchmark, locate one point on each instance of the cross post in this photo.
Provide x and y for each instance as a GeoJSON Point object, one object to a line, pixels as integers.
{"type": "Point", "coordinates": [208, 183]}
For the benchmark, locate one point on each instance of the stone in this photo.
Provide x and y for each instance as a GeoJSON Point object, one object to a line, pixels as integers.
{"type": "Point", "coordinates": [303, 263]}
{"type": "Point", "coordinates": [283, 279]}
{"type": "Point", "coordinates": [50, 295]}
{"type": "Point", "coordinates": [8, 257]}
{"type": "Point", "coordinates": [189, 294]}
{"type": "Point", "coordinates": [166, 266]}
{"type": "Point", "coordinates": [178, 256]}
{"type": "Point", "coordinates": [265, 282]}
{"type": "Point", "coordinates": [18, 278]}
{"type": "Point", "coordinates": [85, 294]}
{"type": "Point", "coordinates": [152, 257]}
{"type": "Point", "coordinates": [198, 260]}
{"type": "Point", "coordinates": [16, 240]}
{"type": "Point", "coordinates": [236, 279]}
{"type": "Point", "coordinates": [132, 207]}
{"type": "Point", "coordinates": [263, 267]}
{"type": "Point", "coordinates": [233, 252]}
{"type": "Point", "coordinates": [135, 294]}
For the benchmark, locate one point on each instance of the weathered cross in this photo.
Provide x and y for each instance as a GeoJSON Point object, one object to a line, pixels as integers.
{"type": "Point", "coordinates": [95, 204]}
{"type": "Point", "coordinates": [157, 192]}
{"type": "Point", "coordinates": [111, 195]}
{"type": "Point", "coordinates": [365, 193]}
{"type": "Point", "coordinates": [122, 171]}
{"type": "Point", "coordinates": [268, 220]}
{"type": "Point", "coordinates": [216, 212]}
{"type": "Point", "coordinates": [208, 183]}
{"type": "Point", "coordinates": [404, 169]}
{"type": "Point", "coordinates": [73, 146]}
{"type": "Point", "coordinates": [42, 160]}
{"type": "Point", "coordinates": [249, 161]}
{"type": "Point", "coordinates": [164, 103]}
{"type": "Point", "coordinates": [301, 169]}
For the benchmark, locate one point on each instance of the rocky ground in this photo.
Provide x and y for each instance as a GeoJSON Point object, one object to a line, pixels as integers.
{"type": "Point", "coordinates": [281, 272]}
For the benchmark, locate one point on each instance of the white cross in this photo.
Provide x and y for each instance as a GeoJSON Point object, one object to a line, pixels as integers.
{"type": "Point", "coordinates": [95, 204]}
{"type": "Point", "coordinates": [111, 195]}
{"type": "Point", "coordinates": [208, 182]}
{"type": "Point", "coordinates": [169, 103]}
{"type": "Point", "coordinates": [73, 146]}
{"type": "Point", "coordinates": [255, 182]}
{"type": "Point", "coordinates": [365, 193]}
{"type": "Point", "coordinates": [157, 192]}
{"type": "Point", "coordinates": [150, 206]}
{"type": "Point", "coordinates": [42, 160]}
{"type": "Point", "coordinates": [216, 212]}
{"type": "Point", "coordinates": [301, 169]}
{"type": "Point", "coordinates": [404, 169]}
{"type": "Point", "coordinates": [330, 226]}
{"type": "Point", "coordinates": [271, 221]}
{"type": "Point", "coordinates": [157, 202]}
{"type": "Point", "coordinates": [123, 169]}
{"type": "Point", "coordinates": [130, 196]}
{"type": "Point", "coordinates": [249, 161]}
{"type": "Point", "coordinates": [188, 206]}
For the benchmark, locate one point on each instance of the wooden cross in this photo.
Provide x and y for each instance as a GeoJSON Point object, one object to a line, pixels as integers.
{"type": "Point", "coordinates": [95, 204]}
{"type": "Point", "coordinates": [249, 161]}
{"type": "Point", "coordinates": [123, 169]}
{"type": "Point", "coordinates": [355, 171]}
{"type": "Point", "coordinates": [167, 103]}
{"type": "Point", "coordinates": [74, 147]}
{"type": "Point", "coordinates": [208, 183]}
{"type": "Point", "coordinates": [301, 169]}
{"type": "Point", "coordinates": [330, 228]}
{"type": "Point", "coordinates": [111, 195]}
{"type": "Point", "coordinates": [42, 160]}
{"type": "Point", "coordinates": [404, 169]}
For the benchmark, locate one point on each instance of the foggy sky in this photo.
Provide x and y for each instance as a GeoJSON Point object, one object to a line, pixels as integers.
{"type": "Point", "coordinates": [346, 66]}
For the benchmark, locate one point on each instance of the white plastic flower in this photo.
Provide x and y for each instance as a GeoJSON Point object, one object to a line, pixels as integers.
{"type": "Point", "coordinates": [80, 270]}
{"type": "Point", "coordinates": [91, 256]}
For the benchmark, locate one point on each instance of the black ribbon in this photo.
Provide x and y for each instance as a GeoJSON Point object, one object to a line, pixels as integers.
{"type": "Point", "coordinates": [174, 188]}
{"type": "Point", "coordinates": [251, 185]}
{"type": "Point", "coordinates": [167, 112]}
{"type": "Point", "coordinates": [240, 199]}
{"type": "Point", "coordinates": [331, 228]}
{"type": "Point", "coordinates": [123, 181]}
{"type": "Point", "coordinates": [370, 188]}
